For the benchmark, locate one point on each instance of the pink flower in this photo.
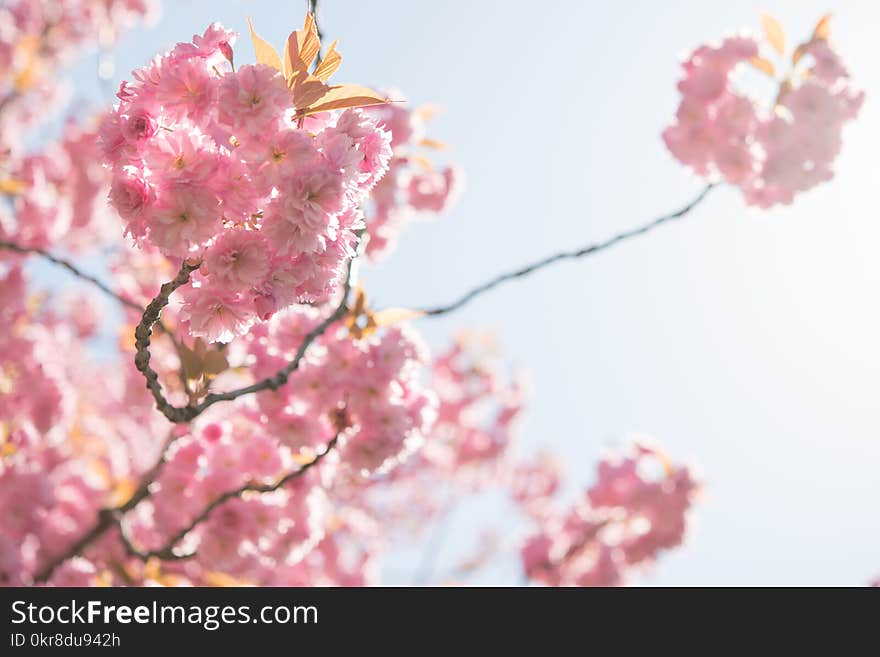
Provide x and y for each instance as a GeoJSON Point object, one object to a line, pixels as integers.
{"type": "Point", "coordinates": [130, 194]}
{"type": "Point", "coordinates": [186, 89]}
{"type": "Point", "coordinates": [252, 98]}
{"type": "Point", "coordinates": [138, 126]}
{"type": "Point", "coordinates": [185, 155]}
{"type": "Point", "coordinates": [720, 132]}
{"type": "Point", "coordinates": [184, 218]}
{"type": "Point", "coordinates": [435, 192]}
{"type": "Point", "coordinates": [215, 315]}
{"type": "Point", "coordinates": [238, 259]}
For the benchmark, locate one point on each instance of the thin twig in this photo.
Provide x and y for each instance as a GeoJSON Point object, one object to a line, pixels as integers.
{"type": "Point", "coordinates": [166, 552]}
{"type": "Point", "coordinates": [566, 255]}
{"type": "Point", "coordinates": [73, 269]}
{"type": "Point", "coordinates": [88, 278]}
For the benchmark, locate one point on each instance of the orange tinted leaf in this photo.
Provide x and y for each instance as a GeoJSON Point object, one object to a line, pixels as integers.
{"type": "Point", "coordinates": [763, 65]}
{"type": "Point", "coordinates": [217, 578]}
{"type": "Point", "coordinates": [302, 47]}
{"type": "Point", "coordinates": [433, 143]}
{"type": "Point", "coordinates": [307, 90]}
{"type": "Point", "coordinates": [303, 458]}
{"type": "Point", "coordinates": [343, 96]}
{"type": "Point", "coordinates": [798, 53]}
{"type": "Point", "coordinates": [360, 300]}
{"type": "Point", "coordinates": [329, 64]}
{"type": "Point", "coordinates": [104, 579]}
{"type": "Point", "coordinates": [12, 186]}
{"type": "Point", "coordinates": [421, 161]}
{"type": "Point", "coordinates": [391, 316]}
{"type": "Point", "coordinates": [265, 53]}
{"type": "Point", "coordinates": [122, 492]}
{"type": "Point", "coordinates": [426, 112]}
{"type": "Point", "coordinates": [823, 28]}
{"type": "Point", "coordinates": [285, 62]}
{"type": "Point", "coordinates": [774, 33]}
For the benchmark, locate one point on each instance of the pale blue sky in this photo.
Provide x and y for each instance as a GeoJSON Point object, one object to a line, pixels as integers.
{"type": "Point", "coordinates": [747, 342]}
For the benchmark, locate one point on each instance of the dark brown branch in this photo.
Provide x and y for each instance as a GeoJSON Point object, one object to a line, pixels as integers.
{"type": "Point", "coordinates": [182, 414]}
{"type": "Point", "coordinates": [107, 518]}
{"type": "Point", "coordinates": [142, 335]}
{"type": "Point", "coordinates": [567, 255]}
{"type": "Point", "coordinates": [167, 553]}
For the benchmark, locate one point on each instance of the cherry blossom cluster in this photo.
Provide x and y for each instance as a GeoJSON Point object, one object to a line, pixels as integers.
{"type": "Point", "coordinates": [65, 449]}
{"type": "Point", "coordinates": [770, 148]}
{"type": "Point", "coordinates": [55, 196]}
{"type": "Point", "coordinates": [370, 436]}
{"type": "Point", "coordinates": [376, 378]}
{"type": "Point", "coordinates": [477, 410]}
{"type": "Point", "coordinates": [413, 186]}
{"type": "Point", "coordinates": [208, 162]}
{"type": "Point", "coordinates": [637, 508]}
{"type": "Point", "coordinates": [39, 36]}
{"type": "Point", "coordinates": [62, 196]}
{"type": "Point", "coordinates": [468, 448]}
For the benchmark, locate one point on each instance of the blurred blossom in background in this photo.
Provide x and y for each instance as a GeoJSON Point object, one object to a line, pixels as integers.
{"type": "Point", "coordinates": [744, 341]}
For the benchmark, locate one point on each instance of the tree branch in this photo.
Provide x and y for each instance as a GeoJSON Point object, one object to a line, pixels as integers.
{"type": "Point", "coordinates": [142, 343]}
{"type": "Point", "coordinates": [167, 553]}
{"type": "Point", "coordinates": [567, 255]}
{"type": "Point", "coordinates": [88, 278]}
{"type": "Point", "coordinates": [73, 269]}
{"type": "Point", "coordinates": [182, 414]}
{"type": "Point", "coordinates": [108, 517]}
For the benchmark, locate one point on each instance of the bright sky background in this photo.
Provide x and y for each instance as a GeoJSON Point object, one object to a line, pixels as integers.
{"type": "Point", "coordinates": [745, 341]}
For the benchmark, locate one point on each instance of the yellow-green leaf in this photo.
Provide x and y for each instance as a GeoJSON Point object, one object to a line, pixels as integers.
{"type": "Point", "coordinates": [265, 53]}
{"type": "Point", "coordinates": [774, 33]}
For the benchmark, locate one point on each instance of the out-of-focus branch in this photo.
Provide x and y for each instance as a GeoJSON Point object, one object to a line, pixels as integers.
{"type": "Point", "coordinates": [107, 518]}
{"type": "Point", "coordinates": [567, 255]}
{"type": "Point", "coordinates": [167, 553]}
{"type": "Point", "coordinates": [73, 269]}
